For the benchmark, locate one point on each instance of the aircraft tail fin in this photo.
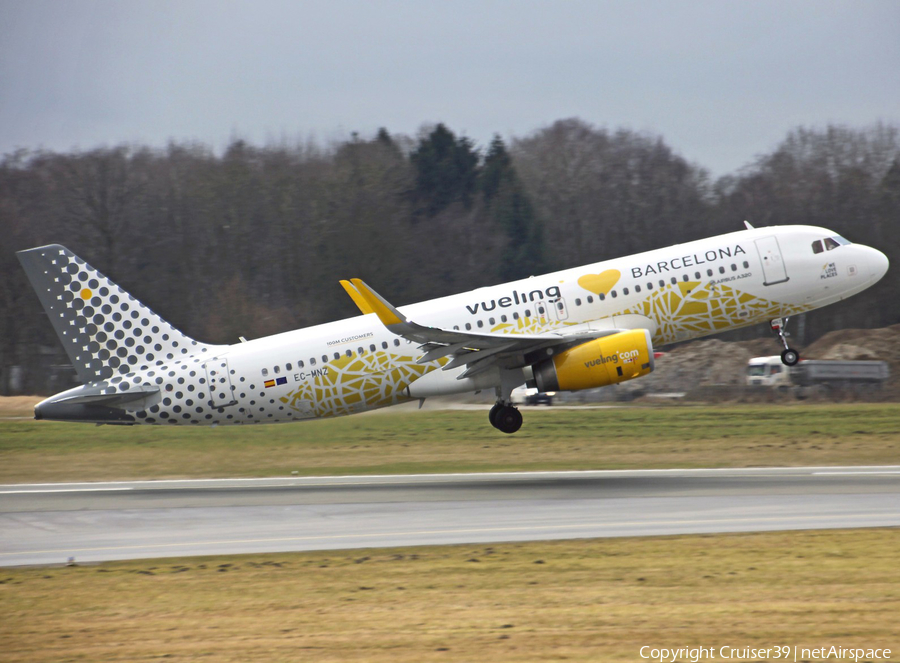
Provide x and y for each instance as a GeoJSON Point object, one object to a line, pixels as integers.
{"type": "Point", "coordinates": [104, 330]}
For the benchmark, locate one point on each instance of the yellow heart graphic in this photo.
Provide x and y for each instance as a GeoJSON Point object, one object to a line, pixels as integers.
{"type": "Point", "coordinates": [600, 283]}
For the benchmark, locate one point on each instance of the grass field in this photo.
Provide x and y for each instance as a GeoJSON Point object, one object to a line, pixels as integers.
{"type": "Point", "coordinates": [568, 600]}
{"type": "Point", "coordinates": [454, 441]}
{"type": "Point", "coordinates": [591, 600]}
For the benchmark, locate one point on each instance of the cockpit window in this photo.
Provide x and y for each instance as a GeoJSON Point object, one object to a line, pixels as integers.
{"type": "Point", "coordinates": [829, 244]}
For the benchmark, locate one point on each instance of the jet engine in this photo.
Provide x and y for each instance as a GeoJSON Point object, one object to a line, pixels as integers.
{"type": "Point", "coordinates": [597, 363]}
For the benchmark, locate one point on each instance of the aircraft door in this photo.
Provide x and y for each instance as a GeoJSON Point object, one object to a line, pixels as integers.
{"type": "Point", "coordinates": [218, 378]}
{"type": "Point", "coordinates": [774, 270]}
{"type": "Point", "coordinates": [559, 308]}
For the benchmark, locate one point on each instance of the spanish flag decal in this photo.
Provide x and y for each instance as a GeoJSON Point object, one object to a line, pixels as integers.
{"type": "Point", "coordinates": [269, 383]}
{"type": "Point", "coordinates": [272, 383]}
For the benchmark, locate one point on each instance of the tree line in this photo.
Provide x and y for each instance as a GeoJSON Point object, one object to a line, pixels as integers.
{"type": "Point", "coordinates": [253, 241]}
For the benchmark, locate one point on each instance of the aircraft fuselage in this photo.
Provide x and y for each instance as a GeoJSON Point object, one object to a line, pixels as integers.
{"type": "Point", "coordinates": [137, 369]}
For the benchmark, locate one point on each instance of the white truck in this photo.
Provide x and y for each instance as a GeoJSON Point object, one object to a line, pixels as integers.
{"type": "Point", "coordinates": [771, 372]}
{"type": "Point", "coordinates": [531, 396]}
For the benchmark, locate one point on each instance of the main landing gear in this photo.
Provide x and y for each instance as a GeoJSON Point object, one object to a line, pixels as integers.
{"type": "Point", "coordinates": [505, 418]}
{"type": "Point", "coordinates": [789, 357]}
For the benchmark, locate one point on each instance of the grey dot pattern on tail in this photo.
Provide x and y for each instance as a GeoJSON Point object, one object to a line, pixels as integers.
{"type": "Point", "coordinates": [107, 331]}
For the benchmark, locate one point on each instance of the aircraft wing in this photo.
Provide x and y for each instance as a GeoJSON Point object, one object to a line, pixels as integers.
{"type": "Point", "coordinates": [477, 351]}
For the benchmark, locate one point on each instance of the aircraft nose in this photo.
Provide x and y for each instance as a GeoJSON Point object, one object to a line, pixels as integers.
{"type": "Point", "coordinates": [878, 264]}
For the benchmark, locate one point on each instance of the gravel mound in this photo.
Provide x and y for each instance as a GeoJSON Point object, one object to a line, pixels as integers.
{"type": "Point", "coordinates": [712, 362]}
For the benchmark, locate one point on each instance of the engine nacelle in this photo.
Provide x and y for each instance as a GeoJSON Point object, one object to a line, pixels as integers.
{"type": "Point", "coordinates": [597, 363]}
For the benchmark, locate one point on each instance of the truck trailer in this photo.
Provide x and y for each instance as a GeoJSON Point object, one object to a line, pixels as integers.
{"type": "Point", "coordinates": [771, 372]}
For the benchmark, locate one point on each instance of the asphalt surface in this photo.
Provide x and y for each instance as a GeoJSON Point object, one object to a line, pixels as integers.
{"type": "Point", "coordinates": [50, 523]}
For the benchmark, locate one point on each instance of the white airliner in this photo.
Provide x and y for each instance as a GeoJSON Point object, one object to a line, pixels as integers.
{"type": "Point", "coordinates": [574, 329]}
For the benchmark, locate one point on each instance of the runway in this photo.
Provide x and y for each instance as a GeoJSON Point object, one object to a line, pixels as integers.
{"type": "Point", "coordinates": [49, 523]}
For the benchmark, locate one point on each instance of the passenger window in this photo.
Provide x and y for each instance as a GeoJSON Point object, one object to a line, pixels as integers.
{"type": "Point", "coordinates": [468, 327]}
{"type": "Point", "coordinates": [697, 275]}
{"type": "Point", "coordinates": [685, 278]}
{"type": "Point", "coordinates": [360, 351]}
{"type": "Point", "coordinates": [746, 265]}
{"type": "Point", "coordinates": [324, 359]}
{"type": "Point", "coordinates": [602, 296]}
{"type": "Point", "coordinates": [349, 353]}
{"type": "Point", "coordinates": [709, 272]}
{"type": "Point", "coordinates": [590, 299]}
{"type": "Point", "coordinates": [300, 364]}
{"type": "Point", "coordinates": [480, 323]}
{"type": "Point", "coordinates": [560, 306]}
{"type": "Point", "coordinates": [649, 285]}
{"type": "Point", "coordinates": [384, 345]}
{"type": "Point", "coordinates": [614, 294]}
{"type": "Point", "coordinates": [492, 321]}
{"type": "Point", "coordinates": [277, 370]}
{"type": "Point", "coordinates": [830, 244]}
{"type": "Point", "coordinates": [817, 246]}
{"type": "Point", "coordinates": [624, 291]}
{"type": "Point", "coordinates": [721, 270]}
{"type": "Point", "coordinates": [637, 288]}
{"type": "Point", "coordinates": [733, 267]}
{"type": "Point", "coordinates": [265, 372]}
{"type": "Point", "coordinates": [516, 315]}
{"type": "Point", "coordinates": [396, 342]}
{"type": "Point", "coordinates": [674, 281]}
{"type": "Point", "coordinates": [662, 284]}
{"type": "Point", "coordinates": [577, 301]}
{"type": "Point", "coordinates": [312, 361]}
{"type": "Point", "coordinates": [371, 347]}
{"type": "Point", "coordinates": [456, 327]}
{"type": "Point", "coordinates": [287, 366]}
{"type": "Point", "coordinates": [503, 317]}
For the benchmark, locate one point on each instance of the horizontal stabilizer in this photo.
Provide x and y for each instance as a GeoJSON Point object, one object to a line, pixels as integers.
{"type": "Point", "coordinates": [102, 403]}
{"type": "Point", "coordinates": [110, 400]}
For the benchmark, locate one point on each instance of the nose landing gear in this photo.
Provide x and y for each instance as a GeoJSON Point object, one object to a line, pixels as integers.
{"type": "Point", "coordinates": [790, 357]}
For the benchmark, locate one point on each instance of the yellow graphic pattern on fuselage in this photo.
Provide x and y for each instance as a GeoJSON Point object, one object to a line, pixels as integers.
{"type": "Point", "coordinates": [689, 309]}
{"type": "Point", "coordinates": [532, 325]}
{"type": "Point", "coordinates": [692, 309]}
{"type": "Point", "coordinates": [357, 383]}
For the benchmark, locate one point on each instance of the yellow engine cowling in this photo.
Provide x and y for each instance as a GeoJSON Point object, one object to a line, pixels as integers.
{"type": "Point", "coordinates": [597, 363]}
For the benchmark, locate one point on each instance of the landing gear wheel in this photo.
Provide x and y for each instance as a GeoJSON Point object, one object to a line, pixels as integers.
{"type": "Point", "coordinates": [492, 415]}
{"type": "Point", "coordinates": [790, 357]}
{"type": "Point", "coordinates": [508, 419]}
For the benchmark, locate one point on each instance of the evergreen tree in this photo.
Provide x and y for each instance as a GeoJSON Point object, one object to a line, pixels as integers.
{"type": "Point", "coordinates": [446, 171]}
{"type": "Point", "coordinates": [510, 209]}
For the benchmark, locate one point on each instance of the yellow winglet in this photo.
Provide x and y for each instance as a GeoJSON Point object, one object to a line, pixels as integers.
{"type": "Point", "coordinates": [385, 312]}
{"type": "Point", "coordinates": [357, 298]}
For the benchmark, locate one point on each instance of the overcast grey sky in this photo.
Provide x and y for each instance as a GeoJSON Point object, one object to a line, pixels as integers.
{"type": "Point", "coordinates": [721, 81]}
